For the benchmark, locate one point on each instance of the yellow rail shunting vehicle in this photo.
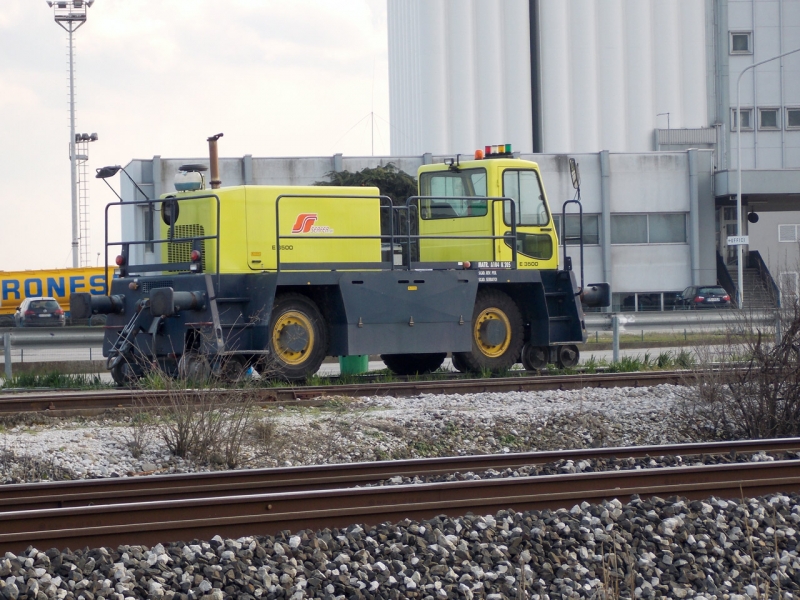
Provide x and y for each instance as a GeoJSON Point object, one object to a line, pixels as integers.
{"type": "Point", "coordinates": [279, 277]}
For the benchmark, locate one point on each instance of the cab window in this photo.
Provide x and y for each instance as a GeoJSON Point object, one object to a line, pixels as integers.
{"type": "Point", "coordinates": [526, 190]}
{"type": "Point", "coordinates": [451, 190]}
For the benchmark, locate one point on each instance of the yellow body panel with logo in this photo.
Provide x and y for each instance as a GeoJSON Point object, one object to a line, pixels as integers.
{"type": "Point", "coordinates": [310, 226]}
{"type": "Point", "coordinates": [449, 213]}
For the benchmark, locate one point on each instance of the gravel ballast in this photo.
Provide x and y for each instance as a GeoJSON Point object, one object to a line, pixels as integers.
{"type": "Point", "coordinates": [362, 429]}
{"type": "Point", "coordinates": [656, 548]}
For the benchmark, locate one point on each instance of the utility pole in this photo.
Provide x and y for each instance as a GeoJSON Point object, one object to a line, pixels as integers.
{"type": "Point", "coordinates": [70, 15]}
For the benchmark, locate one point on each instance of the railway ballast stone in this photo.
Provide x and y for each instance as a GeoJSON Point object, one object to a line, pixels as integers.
{"type": "Point", "coordinates": [649, 548]}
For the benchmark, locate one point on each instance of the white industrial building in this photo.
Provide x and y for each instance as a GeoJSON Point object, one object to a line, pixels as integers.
{"type": "Point", "coordinates": [624, 76]}
{"type": "Point", "coordinates": [640, 92]}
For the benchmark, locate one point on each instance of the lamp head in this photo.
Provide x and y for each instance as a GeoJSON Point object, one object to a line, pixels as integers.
{"type": "Point", "coordinates": [106, 172]}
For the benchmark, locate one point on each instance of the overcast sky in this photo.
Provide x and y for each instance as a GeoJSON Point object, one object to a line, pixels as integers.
{"type": "Point", "coordinates": [156, 77]}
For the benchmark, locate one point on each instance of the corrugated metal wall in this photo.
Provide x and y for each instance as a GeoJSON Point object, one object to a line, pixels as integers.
{"type": "Point", "coordinates": [460, 73]}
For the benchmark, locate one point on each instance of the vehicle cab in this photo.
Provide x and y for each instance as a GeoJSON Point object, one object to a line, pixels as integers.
{"type": "Point", "coordinates": [476, 198]}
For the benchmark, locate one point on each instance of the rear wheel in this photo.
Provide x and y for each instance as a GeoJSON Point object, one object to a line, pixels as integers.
{"type": "Point", "coordinates": [534, 357]}
{"type": "Point", "coordinates": [568, 356]}
{"type": "Point", "coordinates": [298, 338]}
{"type": "Point", "coordinates": [410, 364]}
{"type": "Point", "coordinates": [497, 333]}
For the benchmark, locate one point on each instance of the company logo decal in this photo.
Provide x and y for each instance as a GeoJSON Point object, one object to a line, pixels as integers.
{"type": "Point", "coordinates": [305, 224]}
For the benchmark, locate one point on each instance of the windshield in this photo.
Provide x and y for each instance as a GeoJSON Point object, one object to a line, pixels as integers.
{"type": "Point", "coordinates": [706, 291]}
{"type": "Point", "coordinates": [451, 190]}
{"type": "Point", "coordinates": [526, 190]}
{"type": "Point", "coordinates": [44, 305]}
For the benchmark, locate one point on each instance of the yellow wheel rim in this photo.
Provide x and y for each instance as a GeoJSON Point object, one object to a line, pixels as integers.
{"type": "Point", "coordinates": [289, 351]}
{"type": "Point", "coordinates": [492, 350]}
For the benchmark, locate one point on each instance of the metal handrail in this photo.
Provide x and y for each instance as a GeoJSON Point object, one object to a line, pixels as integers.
{"type": "Point", "coordinates": [169, 240]}
{"type": "Point", "coordinates": [493, 200]}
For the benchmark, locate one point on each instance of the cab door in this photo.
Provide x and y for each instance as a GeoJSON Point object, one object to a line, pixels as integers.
{"type": "Point", "coordinates": [536, 239]}
{"type": "Point", "coordinates": [456, 223]}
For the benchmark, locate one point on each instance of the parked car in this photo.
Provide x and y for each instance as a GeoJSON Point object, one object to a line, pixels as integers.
{"type": "Point", "coordinates": [704, 296]}
{"type": "Point", "coordinates": [39, 312]}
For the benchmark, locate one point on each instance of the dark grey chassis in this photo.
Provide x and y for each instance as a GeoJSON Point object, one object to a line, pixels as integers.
{"type": "Point", "coordinates": [370, 312]}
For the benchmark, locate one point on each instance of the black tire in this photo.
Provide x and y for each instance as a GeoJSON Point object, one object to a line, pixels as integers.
{"type": "Point", "coordinates": [568, 356]}
{"type": "Point", "coordinates": [298, 338]}
{"type": "Point", "coordinates": [497, 333]}
{"type": "Point", "coordinates": [411, 364]}
{"type": "Point", "coordinates": [535, 358]}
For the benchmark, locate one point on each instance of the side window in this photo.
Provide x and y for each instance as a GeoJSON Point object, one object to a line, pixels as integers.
{"type": "Point", "coordinates": [526, 190]}
{"type": "Point", "coordinates": [451, 191]}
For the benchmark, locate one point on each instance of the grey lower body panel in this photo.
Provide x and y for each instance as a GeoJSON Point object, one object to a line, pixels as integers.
{"type": "Point", "coordinates": [371, 312]}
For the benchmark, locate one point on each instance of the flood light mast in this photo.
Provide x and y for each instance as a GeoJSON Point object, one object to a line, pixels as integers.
{"type": "Point", "coordinates": [70, 15]}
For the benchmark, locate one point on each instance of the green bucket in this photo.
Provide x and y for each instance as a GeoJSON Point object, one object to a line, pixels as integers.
{"type": "Point", "coordinates": [354, 365]}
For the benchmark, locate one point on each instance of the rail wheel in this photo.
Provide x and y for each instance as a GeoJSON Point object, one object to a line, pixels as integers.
{"type": "Point", "coordinates": [497, 333]}
{"type": "Point", "coordinates": [194, 366]}
{"type": "Point", "coordinates": [534, 357]}
{"type": "Point", "coordinates": [124, 373]}
{"type": "Point", "coordinates": [410, 364]}
{"type": "Point", "coordinates": [298, 338]}
{"type": "Point", "coordinates": [458, 364]}
{"type": "Point", "coordinates": [230, 369]}
{"type": "Point", "coordinates": [568, 356]}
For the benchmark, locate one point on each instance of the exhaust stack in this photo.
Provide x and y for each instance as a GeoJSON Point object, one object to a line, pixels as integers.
{"type": "Point", "coordinates": [214, 159]}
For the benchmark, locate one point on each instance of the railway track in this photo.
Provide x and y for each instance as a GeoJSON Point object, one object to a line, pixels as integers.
{"type": "Point", "coordinates": [85, 402]}
{"type": "Point", "coordinates": [237, 503]}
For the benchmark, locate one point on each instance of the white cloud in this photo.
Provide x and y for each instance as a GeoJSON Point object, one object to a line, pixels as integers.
{"type": "Point", "coordinates": [158, 76]}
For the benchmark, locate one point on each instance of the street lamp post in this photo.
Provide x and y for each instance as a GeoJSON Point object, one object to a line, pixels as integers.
{"type": "Point", "coordinates": [70, 15]}
{"type": "Point", "coordinates": [739, 247]}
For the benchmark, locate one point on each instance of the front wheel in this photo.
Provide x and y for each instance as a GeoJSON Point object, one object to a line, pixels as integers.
{"type": "Point", "coordinates": [298, 338]}
{"type": "Point", "coordinates": [124, 373]}
{"type": "Point", "coordinates": [497, 333]}
{"type": "Point", "coordinates": [411, 364]}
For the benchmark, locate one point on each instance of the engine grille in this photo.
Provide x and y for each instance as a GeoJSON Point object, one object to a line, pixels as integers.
{"type": "Point", "coordinates": [182, 251]}
{"type": "Point", "coordinates": [155, 283]}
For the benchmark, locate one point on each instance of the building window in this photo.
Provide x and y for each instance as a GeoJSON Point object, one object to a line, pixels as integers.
{"type": "Point", "coordinates": [667, 228]}
{"type": "Point", "coordinates": [591, 229]}
{"type": "Point", "coordinates": [768, 118]}
{"type": "Point", "coordinates": [747, 120]}
{"type": "Point", "coordinates": [741, 42]}
{"type": "Point", "coordinates": [788, 233]}
{"type": "Point", "coordinates": [655, 228]}
{"type": "Point", "coordinates": [628, 229]}
{"type": "Point", "coordinates": [793, 118]}
{"type": "Point", "coordinates": [643, 301]}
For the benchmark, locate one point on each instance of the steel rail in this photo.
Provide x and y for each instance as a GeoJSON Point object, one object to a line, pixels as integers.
{"type": "Point", "coordinates": [88, 492]}
{"type": "Point", "coordinates": [267, 514]}
{"type": "Point", "coordinates": [58, 401]}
